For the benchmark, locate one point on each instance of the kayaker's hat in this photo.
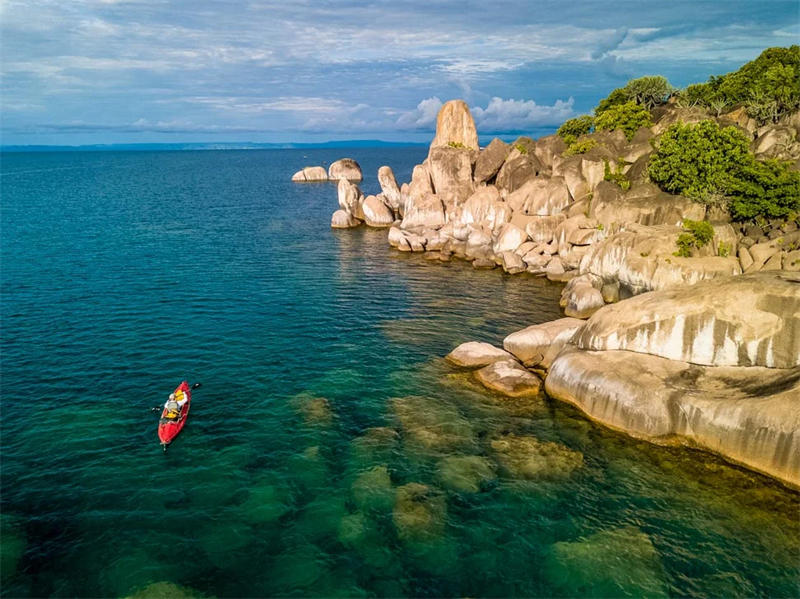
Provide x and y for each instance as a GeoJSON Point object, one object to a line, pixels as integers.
{"type": "Point", "coordinates": [172, 396]}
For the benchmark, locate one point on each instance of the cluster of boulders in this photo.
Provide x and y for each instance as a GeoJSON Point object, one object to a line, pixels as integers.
{"type": "Point", "coordinates": [710, 356]}
{"type": "Point", "coordinates": [715, 365]}
{"type": "Point", "coordinates": [344, 168]}
{"type": "Point", "coordinates": [530, 207]}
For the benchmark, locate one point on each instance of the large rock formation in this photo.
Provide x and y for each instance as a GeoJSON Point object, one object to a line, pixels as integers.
{"type": "Point", "coordinates": [716, 364]}
{"type": "Point", "coordinates": [455, 127]}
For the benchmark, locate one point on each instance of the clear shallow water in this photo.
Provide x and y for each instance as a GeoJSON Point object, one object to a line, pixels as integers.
{"type": "Point", "coordinates": [324, 398]}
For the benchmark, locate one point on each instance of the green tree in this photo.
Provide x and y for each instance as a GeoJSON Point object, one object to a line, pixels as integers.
{"type": "Point", "coordinates": [648, 91]}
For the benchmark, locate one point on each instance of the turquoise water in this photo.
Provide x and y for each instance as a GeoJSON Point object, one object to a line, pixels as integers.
{"type": "Point", "coordinates": [330, 451]}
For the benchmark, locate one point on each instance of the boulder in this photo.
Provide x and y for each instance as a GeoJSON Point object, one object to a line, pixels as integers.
{"type": "Point", "coordinates": [372, 490]}
{"type": "Point", "coordinates": [541, 196]}
{"type": "Point", "coordinates": [642, 259]}
{"type": "Point", "coordinates": [476, 354]}
{"type": "Point", "coordinates": [426, 211]}
{"type": "Point", "coordinates": [451, 174]}
{"type": "Point", "coordinates": [484, 208]}
{"type": "Point", "coordinates": [747, 414]}
{"type": "Point", "coordinates": [791, 261]}
{"type": "Point", "coordinates": [674, 114]}
{"type": "Point", "coordinates": [421, 184]}
{"type": "Point", "coordinates": [517, 169]}
{"type": "Point", "coordinates": [776, 142]}
{"type": "Point", "coordinates": [542, 229]}
{"type": "Point", "coordinates": [342, 219]}
{"type": "Point", "coordinates": [389, 189]}
{"type": "Point", "coordinates": [745, 259]}
{"type": "Point", "coordinates": [350, 196]}
{"type": "Point", "coordinates": [345, 168]}
{"type": "Point", "coordinates": [510, 378]}
{"type": "Point", "coordinates": [572, 173]}
{"type": "Point", "coordinates": [538, 345]}
{"type": "Point", "coordinates": [455, 127]}
{"type": "Point", "coordinates": [479, 245]}
{"type": "Point", "coordinates": [376, 213]}
{"type": "Point", "coordinates": [490, 159]}
{"type": "Point", "coordinates": [509, 238]}
{"type": "Point", "coordinates": [512, 262]}
{"type": "Point", "coordinates": [644, 204]}
{"type": "Point", "coordinates": [749, 320]}
{"type": "Point", "coordinates": [583, 298]}
{"type": "Point", "coordinates": [310, 174]}
{"type": "Point", "coordinates": [547, 148]}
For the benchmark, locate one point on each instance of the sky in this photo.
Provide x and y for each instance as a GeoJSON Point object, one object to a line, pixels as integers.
{"type": "Point", "coordinates": [150, 71]}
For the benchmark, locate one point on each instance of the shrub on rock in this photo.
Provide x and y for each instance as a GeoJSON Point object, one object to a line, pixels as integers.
{"type": "Point", "coordinates": [628, 117]}
{"type": "Point", "coordinates": [572, 129]}
{"type": "Point", "coordinates": [707, 163]}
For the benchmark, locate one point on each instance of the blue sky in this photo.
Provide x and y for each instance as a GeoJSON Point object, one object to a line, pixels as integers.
{"type": "Point", "coordinates": [126, 71]}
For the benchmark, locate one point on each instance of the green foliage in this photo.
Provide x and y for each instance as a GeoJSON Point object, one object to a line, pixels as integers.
{"type": "Point", "coordinates": [580, 147]}
{"type": "Point", "coordinates": [695, 160]}
{"type": "Point", "coordinates": [705, 162]}
{"type": "Point", "coordinates": [615, 98]}
{"type": "Point", "coordinates": [616, 176]}
{"type": "Point", "coordinates": [698, 233]}
{"type": "Point", "coordinates": [724, 249]}
{"type": "Point", "coordinates": [572, 129]}
{"type": "Point", "coordinates": [768, 86]}
{"type": "Point", "coordinates": [458, 145]}
{"type": "Point", "coordinates": [521, 149]}
{"type": "Point", "coordinates": [766, 188]}
{"type": "Point", "coordinates": [628, 116]}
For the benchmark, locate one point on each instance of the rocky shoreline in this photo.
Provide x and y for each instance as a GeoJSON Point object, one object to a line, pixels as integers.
{"type": "Point", "coordinates": [701, 349]}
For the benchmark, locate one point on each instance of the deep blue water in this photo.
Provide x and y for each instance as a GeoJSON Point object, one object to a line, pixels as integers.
{"type": "Point", "coordinates": [324, 396]}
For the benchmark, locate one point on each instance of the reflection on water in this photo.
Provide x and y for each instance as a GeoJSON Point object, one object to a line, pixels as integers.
{"type": "Point", "coordinates": [331, 450]}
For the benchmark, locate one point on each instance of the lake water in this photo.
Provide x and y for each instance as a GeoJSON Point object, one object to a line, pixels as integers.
{"type": "Point", "coordinates": [330, 451]}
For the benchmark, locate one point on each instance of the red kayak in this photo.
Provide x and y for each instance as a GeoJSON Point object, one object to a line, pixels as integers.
{"type": "Point", "coordinates": [172, 421]}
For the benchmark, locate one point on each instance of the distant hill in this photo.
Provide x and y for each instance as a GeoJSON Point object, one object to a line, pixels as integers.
{"type": "Point", "coordinates": [349, 143]}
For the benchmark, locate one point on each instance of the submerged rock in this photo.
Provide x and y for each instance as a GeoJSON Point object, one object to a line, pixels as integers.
{"type": "Point", "coordinates": [419, 512]}
{"type": "Point", "coordinates": [432, 424]}
{"type": "Point", "coordinates": [509, 378]}
{"type": "Point", "coordinates": [315, 410]}
{"type": "Point", "coordinates": [476, 354]}
{"type": "Point", "coordinates": [372, 490]}
{"type": "Point", "coordinates": [530, 458]}
{"type": "Point", "coordinates": [165, 590]}
{"type": "Point", "coordinates": [613, 563]}
{"type": "Point", "coordinates": [465, 474]}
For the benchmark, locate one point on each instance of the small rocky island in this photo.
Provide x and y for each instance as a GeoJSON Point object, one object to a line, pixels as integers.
{"type": "Point", "coordinates": [672, 218]}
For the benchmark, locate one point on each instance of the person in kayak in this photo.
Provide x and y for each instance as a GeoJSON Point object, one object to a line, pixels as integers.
{"type": "Point", "coordinates": [175, 404]}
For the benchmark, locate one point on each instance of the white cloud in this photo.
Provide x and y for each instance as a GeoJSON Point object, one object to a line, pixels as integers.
{"type": "Point", "coordinates": [511, 115]}
{"type": "Point", "coordinates": [422, 117]}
